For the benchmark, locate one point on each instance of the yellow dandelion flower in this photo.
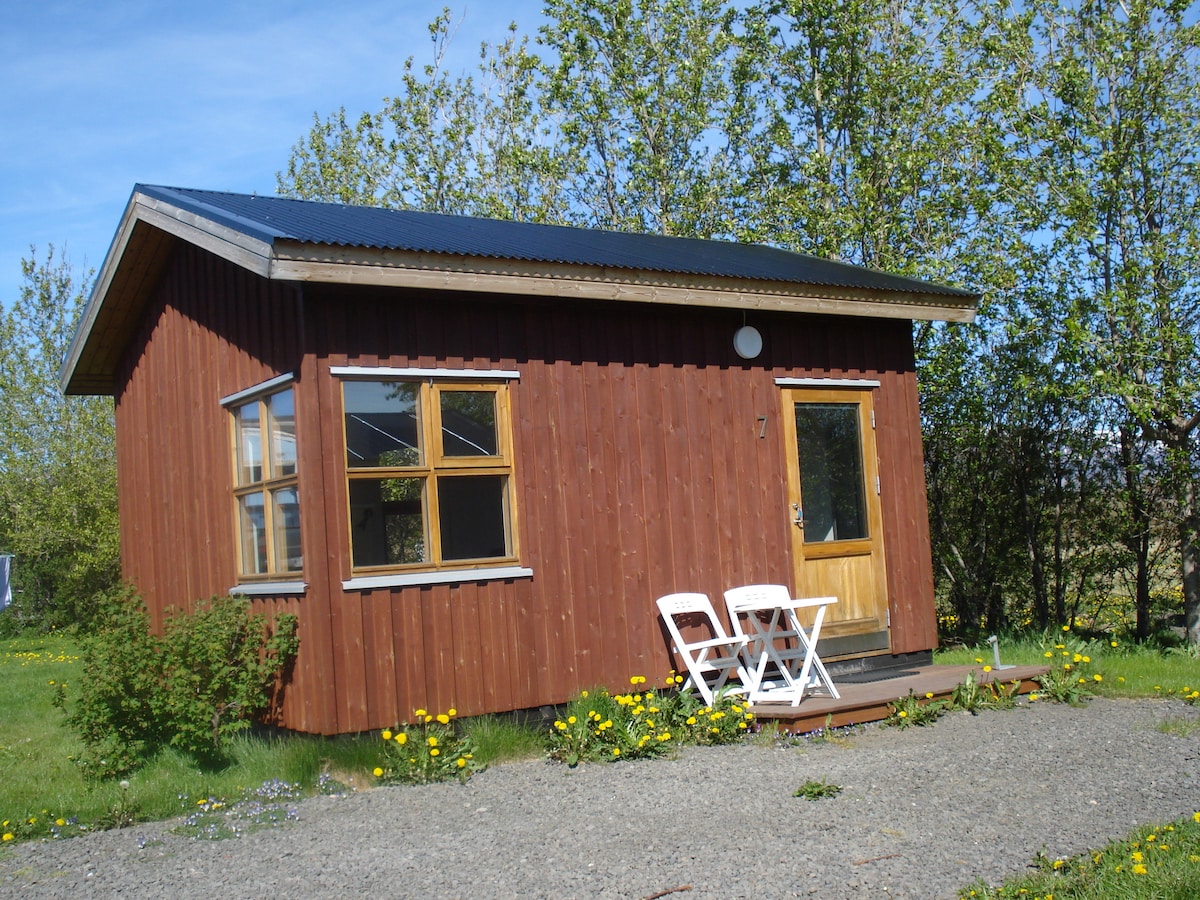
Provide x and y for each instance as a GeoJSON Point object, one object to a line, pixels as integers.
{"type": "Point", "coordinates": [987, 668]}
{"type": "Point", "coordinates": [1097, 677]}
{"type": "Point", "coordinates": [461, 763]}
{"type": "Point", "coordinates": [433, 742]}
{"type": "Point", "coordinates": [616, 751]}
{"type": "Point", "coordinates": [1136, 856]}
{"type": "Point", "coordinates": [929, 695]}
{"type": "Point", "coordinates": [1112, 643]}
{"type": "Point", "coordinates": [583, 694]}
{"type": "Point", "coordinates": [1196, 817]}
{"type": "Point", "coordinates": [443, 719]}
{"type": "Point", "coordinates": [691, 720]}
{"type": "Point", "coordinates": [1121, 679]}
{"type": "Point", "coordinates": [60, 822]}
{"type": "Point", "coordinates": [378, 772]}
{"type": "Point", "coordinates": [979, 659]}
{"type": "Point", "coordinates": [570, 720]}
{"type": "Point", "coordinates": [419, 713]}
{"type": "Point", "coordinates": [387, 735]}
{"type": "Point", "coordinates": [1139, 869]}
{"type": "Point", "coordinates": [1066, 628]}
{"type": "Point", "coordinates": [903, 714]}
{"type": "Point", "coordinates": [1049, 654]}
{"type": "Point", "coordinates": [7, 836]}
{"type": "Point", "coordinates": [452, 711]}
{"type": "Point", "coordinates": [435, 752]}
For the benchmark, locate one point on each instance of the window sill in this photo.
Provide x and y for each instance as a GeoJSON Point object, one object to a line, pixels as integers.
{"type": "Point", "coordinates": [269, 588]}
{"type": "Point", "coordinates": [444, 576]}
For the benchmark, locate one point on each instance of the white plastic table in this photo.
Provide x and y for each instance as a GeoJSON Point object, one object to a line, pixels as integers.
{"type": "Point", "coordinates": [782, 621]}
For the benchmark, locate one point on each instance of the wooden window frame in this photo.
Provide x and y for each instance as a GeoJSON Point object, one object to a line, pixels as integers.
{"type": "Point", "coordinates": [268, 484]}
{"type": "Point", "coordinates": [434, 467]}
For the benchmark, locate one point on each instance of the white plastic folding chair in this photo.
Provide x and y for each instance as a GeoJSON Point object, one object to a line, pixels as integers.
{"type": "Point", "coordinates": [710, 662]}
{"type": "Point", "coordinates": [776, 638]}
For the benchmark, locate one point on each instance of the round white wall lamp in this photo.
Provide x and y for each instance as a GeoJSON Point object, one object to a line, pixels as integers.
{"type": "Point", "coordinates": [747, 342]}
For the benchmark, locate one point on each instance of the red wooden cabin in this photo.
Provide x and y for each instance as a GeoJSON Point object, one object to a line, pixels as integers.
{"type": "Point", "coordinates": [470, 454]}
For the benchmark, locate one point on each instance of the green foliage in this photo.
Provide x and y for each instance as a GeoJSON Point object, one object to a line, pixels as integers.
{"type": "Point", "coordinates": [599, 726]}
{"type": "Point", "coordinates": [817, 790]}
{"type": "Point", "coordinates": [913, 710]}
{"type": "Point", "coordinates": [1155, 861]}
{"type": "Point", "coordinates": [1071, 676]}
{"type": "Point", "coordinates": [58, 476]}
{"type": "Point", "coordinates": [219, 665]}
{"type": "Point", "coordinates": [193, 688]}
{"type": "Point", "coordinates": [118, 713]}
{"type": "Point", "coordinates": [972, 696]}
{"type": "Point", "coordinates": [430, 749]}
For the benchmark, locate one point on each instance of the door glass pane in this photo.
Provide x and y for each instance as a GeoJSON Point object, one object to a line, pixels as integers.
{"type": "Point", "coordinates": [468, 423]}
{"type": "Point", "coordinates": [383, 423]}
{"type": "Point", "coordinates": [473, 517]}
{"type": "Point", "coordinates": [829, 448]}
{"type": "Point", "coordinates": [282, 416]}
{"type": "Point", "coordinates": [249, 445]}
{"type": "Point", "coordinates": [253, 534]}
{"type": "Point", "coordinates": [387, 521]}
{"type": "Point", "coordinates": [285, 515]}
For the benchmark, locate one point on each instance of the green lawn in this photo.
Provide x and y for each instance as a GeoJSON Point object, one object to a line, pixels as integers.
{"type": "Point", "coordinates": [40, 786]}
{"type": "Point", "coordinates": [43, 794]}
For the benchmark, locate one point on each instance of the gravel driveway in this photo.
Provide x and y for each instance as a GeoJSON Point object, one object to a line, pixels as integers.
{"type": "Point", "coordinates": [922, 813]}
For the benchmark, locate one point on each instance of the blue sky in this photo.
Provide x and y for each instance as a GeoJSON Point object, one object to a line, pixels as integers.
{"type": "Point", "coordinates": [98, 96]}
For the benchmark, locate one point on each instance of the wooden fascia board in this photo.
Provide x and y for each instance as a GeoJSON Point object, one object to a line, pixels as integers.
{"type": "Point", "coordinates": [220, 240]}
{"type": "Point", "coordinates": [383, 268]}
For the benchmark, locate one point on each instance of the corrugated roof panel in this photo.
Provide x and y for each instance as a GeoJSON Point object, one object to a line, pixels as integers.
{"type": "Point", "coordinates": [304, 221]}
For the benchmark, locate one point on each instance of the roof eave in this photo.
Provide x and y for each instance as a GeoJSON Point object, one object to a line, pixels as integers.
{"type": "Point", "coordinates": [295, 261]}
{"type": "Point", "coordinates": [142, 214]}
{"type": "Point", "coordinates": [149, 227]}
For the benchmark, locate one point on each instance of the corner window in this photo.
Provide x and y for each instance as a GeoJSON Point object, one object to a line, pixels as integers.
{"type": "Point", "coordinates": [265, 494]}
{"type": "Point", "coordinates": [429, 473]}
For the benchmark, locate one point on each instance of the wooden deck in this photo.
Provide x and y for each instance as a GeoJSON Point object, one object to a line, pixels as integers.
{"type": "Point", "coordinates": [869, 701]}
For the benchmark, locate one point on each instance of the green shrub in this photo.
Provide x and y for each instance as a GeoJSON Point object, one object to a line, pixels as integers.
{"type": "Point", "coordinates": [118, 715]}
{"type": "Point", "coordinates": [194, 687]}
{"type": "Point", "coordinates": [219, 665]}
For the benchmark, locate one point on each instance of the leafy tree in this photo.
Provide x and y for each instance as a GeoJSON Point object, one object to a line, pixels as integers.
{"type": "Point", "coordinates": [643, 90]}
{"type": "Point", "coordinates": [58, 507]}
{"type": "Point", "coordinates": [466, 144]}
{"type": "Point", "coordinates": [1110, 151]}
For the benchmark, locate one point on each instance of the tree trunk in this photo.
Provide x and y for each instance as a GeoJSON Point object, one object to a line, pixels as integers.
{"type": "Point", "coordinates": [1190, 552]}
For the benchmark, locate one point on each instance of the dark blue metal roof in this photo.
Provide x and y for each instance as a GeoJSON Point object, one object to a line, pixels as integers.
{"type": "Point", "coordinates": [272, 219]}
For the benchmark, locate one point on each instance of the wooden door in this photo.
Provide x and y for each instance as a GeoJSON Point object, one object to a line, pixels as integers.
{"type": "Point", "coordinates": [837, 527]}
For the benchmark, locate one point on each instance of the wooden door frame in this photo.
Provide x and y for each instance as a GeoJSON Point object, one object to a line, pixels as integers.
{"type": "Point", "coordinates": [860, 392]}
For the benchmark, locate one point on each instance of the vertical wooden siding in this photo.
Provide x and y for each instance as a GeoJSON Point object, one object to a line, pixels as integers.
{"type": "Point", "coordinates": [210, 330]}
{"type": "Point", "coordinates": [641, 471]}
{"type": "Point", "coordinates": [639, 462]}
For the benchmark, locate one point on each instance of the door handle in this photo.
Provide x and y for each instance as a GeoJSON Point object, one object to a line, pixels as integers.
{"type": "Point", "coordinates": [797, 519]}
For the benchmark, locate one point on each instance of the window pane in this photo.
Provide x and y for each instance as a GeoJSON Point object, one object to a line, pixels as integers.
{"type": "Point", "coordinates": [383, 423]}
{"type": "Point", "coordinates": [468, 423]}
{"type": "Point", "coordinates": [249, 444]}
{"type": "Point", "coordinates": [473, 520]}
{"type": "Point", "coordinates": [831, 478]}
{"type": "Point", "coordinates": [282, 417]}
{"type": "Point", "coordinates": [387, 521]}
{"type": "Point", "coordinates": [253, 533]}
{"type": "Point", "coordinates": [285, 515]}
